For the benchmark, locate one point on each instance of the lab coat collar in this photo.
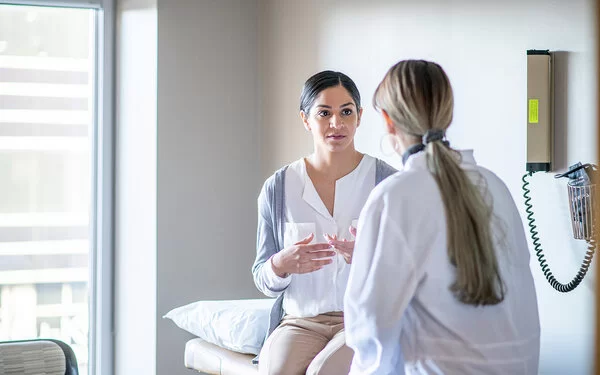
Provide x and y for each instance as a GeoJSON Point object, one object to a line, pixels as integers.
{"type": "Point", "coordinates": [419, 161]}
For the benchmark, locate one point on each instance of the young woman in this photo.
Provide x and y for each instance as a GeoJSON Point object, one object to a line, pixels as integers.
{"type": "Point", "coordinates": [306, 224]}
{"type": "Point", "coordinates": [440, 281]}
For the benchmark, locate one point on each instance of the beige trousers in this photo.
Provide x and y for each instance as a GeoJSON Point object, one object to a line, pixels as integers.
{"type": "Point", "coordinates": [311, 346]}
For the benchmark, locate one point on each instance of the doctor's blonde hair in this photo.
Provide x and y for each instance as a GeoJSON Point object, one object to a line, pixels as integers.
{"type": "Point", "coordinates": [417, 96]}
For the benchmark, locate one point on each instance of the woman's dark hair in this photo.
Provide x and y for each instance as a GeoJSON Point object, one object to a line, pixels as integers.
{"type": "Point", "coordinates": [324, 80]}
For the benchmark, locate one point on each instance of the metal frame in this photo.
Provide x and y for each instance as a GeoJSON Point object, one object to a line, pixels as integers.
{"type": "Point", "coordinates": [101, 332]}
{"type": "Point", "coordinates": [102, 285]}
{"type": "Point", "coordinates": [90, 4]}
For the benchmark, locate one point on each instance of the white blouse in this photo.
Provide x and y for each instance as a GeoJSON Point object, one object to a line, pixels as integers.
{"type": "Point", "coordinates": [400, 316]}
{"type": "Point", "coordinates": [322, 291]}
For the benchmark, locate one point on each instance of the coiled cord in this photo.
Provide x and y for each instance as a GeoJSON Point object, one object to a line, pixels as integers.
{"type": "Point", "coordinates": [564, 288]}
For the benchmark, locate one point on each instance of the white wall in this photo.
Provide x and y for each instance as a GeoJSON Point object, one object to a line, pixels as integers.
{"type": "Point", "coordinates": [208, 159]}
{"type": "Point", "coordinates": [482, 46]}
{"type": "Point", "coordinates": [135, 190]}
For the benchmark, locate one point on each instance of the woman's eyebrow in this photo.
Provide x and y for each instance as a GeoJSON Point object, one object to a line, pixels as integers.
{"type": "Point", "coordinates": [328, 106]}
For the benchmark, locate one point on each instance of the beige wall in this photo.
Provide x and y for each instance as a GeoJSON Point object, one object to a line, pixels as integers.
{"type": "Point", "coordinates": [288, 33]}
{"type": "Point", "coordinates": [208, 159]}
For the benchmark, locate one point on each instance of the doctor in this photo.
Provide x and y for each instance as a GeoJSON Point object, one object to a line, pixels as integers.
{"type": "Point", "coordinates": [440, 280]}
{"type": "Point", "coordinates": [305, 247]}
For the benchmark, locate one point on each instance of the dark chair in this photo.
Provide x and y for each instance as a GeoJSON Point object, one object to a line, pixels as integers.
{"type": "Point", "coordinates": [39, 356]}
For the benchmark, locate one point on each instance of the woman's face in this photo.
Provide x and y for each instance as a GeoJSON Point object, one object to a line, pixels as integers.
{"type": "Point", "coordinates": [333, 119]}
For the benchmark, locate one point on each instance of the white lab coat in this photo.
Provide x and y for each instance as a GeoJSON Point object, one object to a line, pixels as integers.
{"type": "Point", "coordinates": [400, 316]}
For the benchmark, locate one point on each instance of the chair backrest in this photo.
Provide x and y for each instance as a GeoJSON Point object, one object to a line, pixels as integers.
{"type": "Point", "coordinates": [40, 356]}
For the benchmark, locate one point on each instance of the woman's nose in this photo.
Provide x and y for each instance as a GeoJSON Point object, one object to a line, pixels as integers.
{"type": "Point", "coordinates": [335, 122]}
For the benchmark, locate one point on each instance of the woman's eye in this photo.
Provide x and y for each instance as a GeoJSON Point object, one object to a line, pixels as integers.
{"type": "Point", "coordinates": [347, 112]}
{"type": "Point", "coordinates": [323, 113]}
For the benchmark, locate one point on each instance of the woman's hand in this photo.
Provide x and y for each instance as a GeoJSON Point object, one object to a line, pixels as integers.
{"type": "Point", "coordinates": [302, 257]}
{"type": "Point", "coordinates": [344, 247]}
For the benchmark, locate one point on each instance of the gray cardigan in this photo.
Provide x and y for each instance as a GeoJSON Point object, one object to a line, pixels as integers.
{"type": "Point", "coordinates": [269, 238]}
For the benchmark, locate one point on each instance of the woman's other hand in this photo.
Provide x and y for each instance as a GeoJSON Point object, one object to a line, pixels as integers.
{"type": "Point", "coordinates": [343, 247]}
{"type": "Point", "coordinates": [302, 257]}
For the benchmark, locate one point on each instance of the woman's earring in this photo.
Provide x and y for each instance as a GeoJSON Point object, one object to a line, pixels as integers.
{"type": "Point", "coordinates": [392, 145]}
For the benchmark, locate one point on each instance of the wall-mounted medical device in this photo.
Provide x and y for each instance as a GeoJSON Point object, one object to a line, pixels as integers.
{"type": "Point", "coordinates": [540, 124]}
{"type": "Point", "coordinates": [581, 188]}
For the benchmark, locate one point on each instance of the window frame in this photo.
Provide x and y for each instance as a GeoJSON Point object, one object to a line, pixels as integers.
{"type": "Point", "coordinates": [90, 4]}
{"type": "Point", "coordinates": [101, 268]}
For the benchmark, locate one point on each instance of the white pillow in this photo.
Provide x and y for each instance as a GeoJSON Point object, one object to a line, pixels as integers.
{"type": "Point", "coordinates": [237, 325]}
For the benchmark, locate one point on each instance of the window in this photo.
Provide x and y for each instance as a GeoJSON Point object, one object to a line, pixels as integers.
{"type": "Point", "coordinates": [53, 142]}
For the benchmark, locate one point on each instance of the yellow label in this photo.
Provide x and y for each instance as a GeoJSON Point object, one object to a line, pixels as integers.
{"type": "Point", "coordinates": [534, 105]}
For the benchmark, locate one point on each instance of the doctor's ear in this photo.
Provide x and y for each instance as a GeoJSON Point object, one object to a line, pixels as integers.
{"type": "Point", "coordinates": [304, 118]}
{"type": "Point", "coordinates": [391, 128]}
